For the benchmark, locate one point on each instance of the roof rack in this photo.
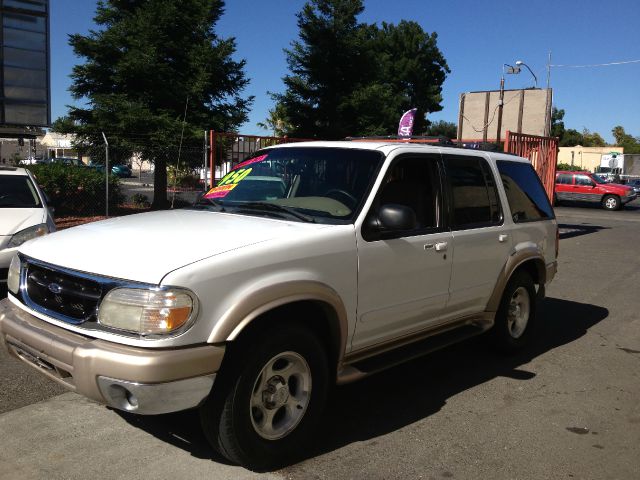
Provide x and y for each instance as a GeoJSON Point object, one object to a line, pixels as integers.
{"type": "Point", "coordinates": [11, 169]}
{"type": "Point", "coordinates": [439, 140]}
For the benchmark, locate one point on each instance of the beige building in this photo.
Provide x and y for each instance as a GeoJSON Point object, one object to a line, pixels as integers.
{"type": "Point", "coordinates": [58, 145]}
{"type": "Point", "coordinates": [585, 158]}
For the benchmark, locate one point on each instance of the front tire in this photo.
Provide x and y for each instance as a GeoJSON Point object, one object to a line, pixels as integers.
{"type": "Point", "coordinates": [262, 413]}
{"type": "Point", "coordinates": [611, 202]}
{"type": "Point", "coordinates": [516, 315]}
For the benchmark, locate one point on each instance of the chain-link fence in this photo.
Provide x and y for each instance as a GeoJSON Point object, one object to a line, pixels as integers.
{"type": "Point", "coordinates": [80, 188]}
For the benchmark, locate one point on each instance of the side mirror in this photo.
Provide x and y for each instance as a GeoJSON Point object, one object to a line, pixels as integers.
{"type": "Point", "coordinates": [393, 218]}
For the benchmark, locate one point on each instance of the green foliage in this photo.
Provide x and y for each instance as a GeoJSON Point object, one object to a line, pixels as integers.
{"type": "Point", "coordinates": [566, 166]}
{"type": "Point", "coordinates": [140, 200]}
{"type": "Point", "coordinates": [631, 144]}
{"type": "Point", "coordinates": [571, 138]}
{"type": "Point", "coordinates": [592, 139]}
{"type": "Point", "coordinates": [350, 78]}
{"type": "Point", "coordinates": [149, 63]}
{"type": "Point", "coordinates": [557, 125]}
{"type": "Point", "coordinates": [76, 190]}
{"type": "Point", "coordinates": [182, 178]}
{"type": "Point", "coordinates": [277, 122]}
{"type": "Point", "coordinates": [442, 128]}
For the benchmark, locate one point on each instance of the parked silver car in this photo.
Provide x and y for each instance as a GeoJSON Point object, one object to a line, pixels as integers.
{"type": "Point", "coordinates": [23, 213]}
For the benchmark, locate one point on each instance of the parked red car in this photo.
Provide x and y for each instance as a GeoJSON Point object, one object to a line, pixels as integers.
{"type": "Point", "coordinates": [589, 187]}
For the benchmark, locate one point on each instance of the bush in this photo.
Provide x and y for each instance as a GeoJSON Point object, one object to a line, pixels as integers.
{"type": "Point", "coordinates": [76, 190]}
{"type": "Point", "coordinates": [566, 166]}
{"type": "Point", "coordinates": [181, 178]}
{"type": "Point", "coordinates": [140, 200]}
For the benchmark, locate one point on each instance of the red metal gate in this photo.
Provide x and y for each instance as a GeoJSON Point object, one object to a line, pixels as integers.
{"type": "Point", "coordinates": [541, 151]}
{"type": "Point", "coordinates": [226, 150]}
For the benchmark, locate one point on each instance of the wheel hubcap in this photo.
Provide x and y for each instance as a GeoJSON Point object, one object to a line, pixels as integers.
{"type": "Point", "coordinates": [518, 315]}
{"type": "Point", "coordinates": [611, 203]}
{"type": "Point", "coordinates": [280, 396]}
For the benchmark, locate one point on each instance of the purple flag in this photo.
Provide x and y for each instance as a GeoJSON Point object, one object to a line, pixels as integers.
{"type": "Point", "coordinates": [405, 129]}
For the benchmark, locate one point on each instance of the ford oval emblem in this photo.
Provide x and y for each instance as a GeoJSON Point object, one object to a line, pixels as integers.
{"type": "Point", "coordinates": [54, 288]}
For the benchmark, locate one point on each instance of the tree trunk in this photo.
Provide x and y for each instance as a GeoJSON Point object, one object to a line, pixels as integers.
{"type": "Point", "coordinates": [160, 201]}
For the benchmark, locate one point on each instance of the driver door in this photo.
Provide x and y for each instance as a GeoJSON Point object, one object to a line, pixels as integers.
{"type": "Point", "coordinates": [403, 277]}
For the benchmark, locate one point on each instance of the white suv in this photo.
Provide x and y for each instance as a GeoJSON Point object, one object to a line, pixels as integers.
{"type": "Point", "coordinates": [308, 264]}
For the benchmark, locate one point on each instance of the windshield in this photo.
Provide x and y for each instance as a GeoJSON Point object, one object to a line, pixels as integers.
{"type": "Point", "coordinates": [17, 191]}
{"type": "Point", "coordinates": [319, 184]}
{"type": "Point", "coordinates": [598, 179]}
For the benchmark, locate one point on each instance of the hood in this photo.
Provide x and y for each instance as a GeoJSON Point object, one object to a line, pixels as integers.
{"type": "Point", "coordinates": [12, 220]}
{"type": "Point", "coordinates": [619, 185]}
{"type": "Point", "coordinates": [145, 247]}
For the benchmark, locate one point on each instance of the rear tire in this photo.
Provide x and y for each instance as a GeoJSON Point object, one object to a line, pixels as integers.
{"type": "Point", "coordinates": [270, 396]}
{"type": "Point", "coordinates": [515, 319]}
{"type": "Point", "coordinates": [611, 202]}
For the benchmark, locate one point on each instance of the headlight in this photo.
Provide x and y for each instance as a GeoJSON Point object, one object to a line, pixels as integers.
{"type": "Point", "coordinates": [13, 280]}
{"type": "Point", "coordinates": [146, 312]}
{"type": "Point", "coordinates": [27, 234]}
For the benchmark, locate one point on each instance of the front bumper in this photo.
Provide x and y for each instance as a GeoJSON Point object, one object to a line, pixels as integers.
{"type": "Point", "coordinates": [628, 199]}
{"type": "Point", "coordinates": [141, 380]}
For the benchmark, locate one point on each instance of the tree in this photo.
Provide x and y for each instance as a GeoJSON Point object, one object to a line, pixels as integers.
{"type": "Point", "coordinates": [592, 139]}
{"type": "Point", "coordinates": [412, 68]}
{"type": "Point", "coordinates": [326, 67]}
{"type": "Point", "coordinates": [156, 68]}
{"type": "Point", "coordinates": [557, 125]}
{"type": "Point", "coordinates": [349, 78]}
{"type": "Point", "coordinates": [276, 122]}
{"type": "Point", "coordinates": [623, 139]}
{"type": "Point", "coordinates": [571, 138]}
{"type": "Point", "coordinates": [441, 127]}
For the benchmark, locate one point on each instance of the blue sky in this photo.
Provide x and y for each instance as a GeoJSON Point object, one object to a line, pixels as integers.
{"type": "Point", "coordinates": [475, 37]}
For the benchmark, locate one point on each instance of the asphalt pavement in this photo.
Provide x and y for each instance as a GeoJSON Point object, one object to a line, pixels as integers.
{"type": "Point", "coordinates": [566, 408]}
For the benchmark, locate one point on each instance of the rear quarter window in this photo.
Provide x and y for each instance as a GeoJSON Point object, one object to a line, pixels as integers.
{"type": "Point", "coordinates": [526, 196]}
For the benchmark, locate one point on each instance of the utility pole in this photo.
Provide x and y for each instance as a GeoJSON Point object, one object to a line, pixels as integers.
{"type": "Point", "coordinates": [106, 173]}
{"type": "Point", "coordinates": [549, 71]}
{"type": "Point", "coordinates": [500, 105]}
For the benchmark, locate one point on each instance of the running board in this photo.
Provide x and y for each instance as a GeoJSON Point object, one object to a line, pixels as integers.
{"type": "Point", "coordinates": [368, 366]}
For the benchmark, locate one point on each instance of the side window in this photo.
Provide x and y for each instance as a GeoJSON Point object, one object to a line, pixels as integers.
{"type": "Point", "coordinates": [526, 196]}
{"type": "Point", "coordinates": [584, 180]}
{"type": "Point", "coordinates": [473, 191]}
{"type": "Point", "coordinates": [413, 181]}
{"type": "Point", "coordinates": [564, 179]}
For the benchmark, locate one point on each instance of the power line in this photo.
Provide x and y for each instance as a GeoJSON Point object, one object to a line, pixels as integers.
{"type": "Point", "coordinates": [597, 64]}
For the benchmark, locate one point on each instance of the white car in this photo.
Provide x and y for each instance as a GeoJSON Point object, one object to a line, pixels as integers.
{"type": "Point", "coordinates": [23, 214]}
{"type": "Point", "coordinates": [307, 265]}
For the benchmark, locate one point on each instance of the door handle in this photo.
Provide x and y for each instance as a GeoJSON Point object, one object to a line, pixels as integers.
{"type": "Point", "coordinates": [441, 246]}
{"type": "Point", "coordinates": [503, 238]}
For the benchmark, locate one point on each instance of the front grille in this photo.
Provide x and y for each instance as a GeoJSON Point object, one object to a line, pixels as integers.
{"type": "Point", "coordinates": [72, 297]}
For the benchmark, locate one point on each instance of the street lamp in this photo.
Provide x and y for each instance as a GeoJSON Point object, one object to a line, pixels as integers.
{"type": "Point", "coordinates": [510, 70]}
{"type": "Point", "coordinates": [520, 63]}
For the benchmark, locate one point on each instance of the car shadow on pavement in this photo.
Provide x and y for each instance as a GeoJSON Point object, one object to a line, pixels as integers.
{"type": "Point", "coordinates": [576, 230]}
{"type": "Point", "coordinates": [402, 395]}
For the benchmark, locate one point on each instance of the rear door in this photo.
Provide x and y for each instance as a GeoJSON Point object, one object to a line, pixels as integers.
{"type": "Point", "coordinates": [564, 186]}
{"type": "Point", "coordinates": [481, 243]}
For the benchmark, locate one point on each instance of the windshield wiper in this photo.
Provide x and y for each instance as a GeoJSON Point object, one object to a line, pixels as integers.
{"type": "Point", "coordinates": [210, 202]}
{"type": "Point", "coordinates": [274, 207]}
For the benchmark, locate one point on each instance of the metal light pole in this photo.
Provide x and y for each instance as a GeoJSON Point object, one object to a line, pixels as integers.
{"type": "Point", "coordinates": [106, 173]}
{"type": "Point", "coordinates": [535, 79]}
{"type": "Point", "coordinates": [511, 69]}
